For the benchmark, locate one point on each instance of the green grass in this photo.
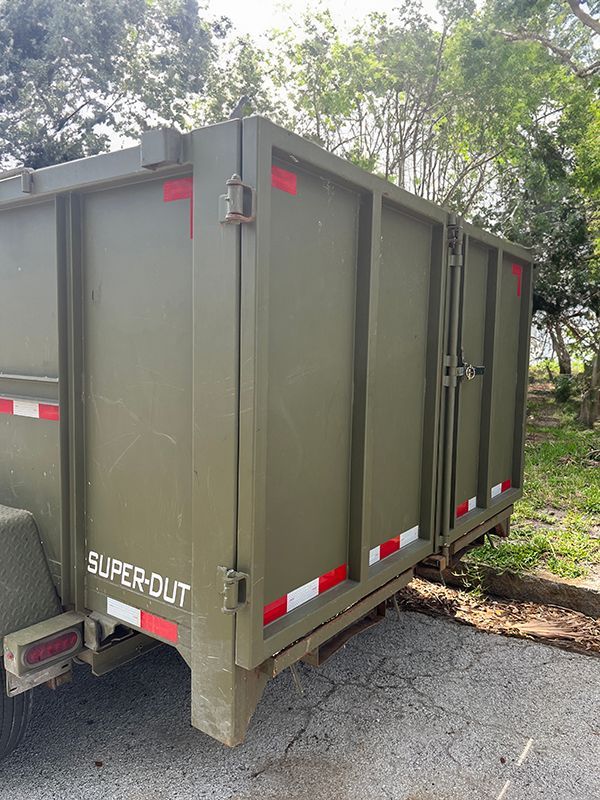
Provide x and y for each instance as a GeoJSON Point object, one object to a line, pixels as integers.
{"type": "Point", "coordinates": [551, 525]}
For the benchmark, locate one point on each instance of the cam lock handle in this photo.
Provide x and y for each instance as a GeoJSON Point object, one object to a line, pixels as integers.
{"type": "Point", "coordinates": [469, 371]}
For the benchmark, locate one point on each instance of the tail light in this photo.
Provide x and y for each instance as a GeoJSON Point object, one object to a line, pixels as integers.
{"type": "Point", "coordinates": [51, 648]}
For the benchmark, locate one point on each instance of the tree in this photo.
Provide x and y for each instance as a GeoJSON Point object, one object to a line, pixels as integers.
{"type": "Point", "coordinates": [74, 73]}
{"type": "Point", "coordinates": [434, 109]}
{"type": "Point", "coordinates": [565, 29]}
{"type": "Point", "coordinates": [242, 70]}
{"type": "Point", "coordinates": [551, 197]}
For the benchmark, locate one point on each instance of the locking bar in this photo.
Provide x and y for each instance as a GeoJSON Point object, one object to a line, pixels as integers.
{"type": "Point", "coordinates": [456, 370]}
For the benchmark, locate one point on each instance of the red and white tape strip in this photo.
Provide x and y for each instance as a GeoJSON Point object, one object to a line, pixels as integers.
{"type": "Point", "coordinates": [157, 626]}
{"type": "Point", "coordinates": [283, 605]}
{"type": "Point", "coordinates": [392, 545]}
{"type": "Point", "coordinates": [29, 408]}
{"type": "Point", "coordinates": [464, 508]}
{"type": "Point", "coordinates": [500, 487]}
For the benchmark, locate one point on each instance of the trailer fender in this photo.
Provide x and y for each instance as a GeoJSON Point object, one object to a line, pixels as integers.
{"type": "Point", "coordinates": [27, 592]}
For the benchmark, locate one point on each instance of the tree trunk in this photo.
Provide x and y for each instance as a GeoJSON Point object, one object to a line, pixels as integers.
{"type": "Point", "coordinates": [590, 402]}
{"type": "Point", "coordinates": [560, 347]}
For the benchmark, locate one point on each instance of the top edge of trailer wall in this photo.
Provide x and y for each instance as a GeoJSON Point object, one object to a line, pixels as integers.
{"type": "Point", "coordinates": [126, 165]}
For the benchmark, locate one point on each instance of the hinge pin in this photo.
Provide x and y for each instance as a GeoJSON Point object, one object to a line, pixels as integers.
{"type": "Point", "coordinates": [239, 203]}
{"type": "Point", "coordinates": [236, 589]}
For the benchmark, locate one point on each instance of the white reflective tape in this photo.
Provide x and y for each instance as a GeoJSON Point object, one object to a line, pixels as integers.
{"type": "Point", "coordinates": [374, 555]}
{"type": "Point", "coordinates": [496, 490]}
{"type": "Point", "coordinates": [26, 408]}
{"type": "Point", "coordinates": [123, 611]}
{"type": "Point", "coordinates": [302, 594]}
{"type": "Point", "coordinates": [472, 503]}
{"type": "Point", "coordinates": [411, 535]}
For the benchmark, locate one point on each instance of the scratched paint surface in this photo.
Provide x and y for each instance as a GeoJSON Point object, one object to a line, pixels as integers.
{"type": "Point", "coordinates": [138, 322]}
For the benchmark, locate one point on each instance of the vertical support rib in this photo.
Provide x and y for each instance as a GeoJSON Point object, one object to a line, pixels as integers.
{"type": "Point", "coordinates": [433, 383]}
{"type": "Point", "coordinates": [455, 264]}
{"type": "Point", "coordinates": [522, 375]}
{"type": "Point", "coordinates": [76, 401]}
{"type": "Point", "coordinates": [491, 336]}
{"type": "Point", "coordinates": [365, 331]}
{"type": "Point", "coordinates": [70, 335]}
{"type": "Point", "coordinates": [60, 207]}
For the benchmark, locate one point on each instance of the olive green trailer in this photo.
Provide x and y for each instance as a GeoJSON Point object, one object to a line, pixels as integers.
{"type": "Point", "coordinates": [245, 389]}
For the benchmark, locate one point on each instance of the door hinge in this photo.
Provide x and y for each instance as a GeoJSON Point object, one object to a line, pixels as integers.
{"type": "Point", "coordinates": [235, 591]}
{"type": "Point", "coordinates": [455, 242]}
{"type": "Point", "coordinates": [238, 204]}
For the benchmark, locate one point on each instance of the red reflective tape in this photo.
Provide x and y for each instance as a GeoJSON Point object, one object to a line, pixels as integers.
{"type": "Point", "coordinates": [505, 485]}
{"type": "Point", "coordinates": [284, 180]}
{"type": "Point", "coordinates": [159, 626]}
{"type": "Point", "coordinates": [177, 189]}
{"type": "Point", "coordinates": [332, 578]}
{"type": "Point", "coordinates": [275, 610]}
{"type": "Point", "coordinates": [181, 189]}
{"type": "Point", "coordinates": [462, 509]}
{"type": "Point", "coordinates": [49, 411]}
{"type": "Point", "coordinates": [389, 547]}
{"type": "Point", "coordinates": [6, 406]}
{"type": "Point", "coordinates": [517, 270]}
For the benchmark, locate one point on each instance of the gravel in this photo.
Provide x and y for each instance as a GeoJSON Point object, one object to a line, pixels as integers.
{"type": "Point", "coordinates": [413, 709]}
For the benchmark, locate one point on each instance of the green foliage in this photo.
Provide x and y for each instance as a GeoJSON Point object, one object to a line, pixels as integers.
{"type": "Point", "coordinates": [567, 553]}
{"type": "Point", "coordinates": [553, 523]}
{"type": "Point", "coordinates": [493, 112]}
{"type": "Point", "coordinates": [433, 110]}
{"type": "Point", "coordinates": [240, 71]}
{"type": "Point", "coordinates": [72, 72]}
{"type": "Point", "coordinates": [563, 388]}
{"type": "Point", "coordinates": [554, 27]}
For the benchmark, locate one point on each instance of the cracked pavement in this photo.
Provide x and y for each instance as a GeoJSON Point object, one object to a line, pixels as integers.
{"type": "Point", "coordinates": [412, 709]}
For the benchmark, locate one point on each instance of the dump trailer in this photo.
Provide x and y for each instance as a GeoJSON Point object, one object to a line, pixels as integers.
{"type": "Point", "coordinates": [246, 388]}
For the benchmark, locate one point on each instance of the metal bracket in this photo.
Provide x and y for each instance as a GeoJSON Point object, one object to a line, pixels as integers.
{"type": "Point", "coordinates": [239, 203]}
{"type": "Point", "coordinates": [160, 147]}
{"type": "Point", "coordinates": [236, 589]}
{"type": "Point", "coordinates": [16, 684]}
{"type": "Point", "coordinates": [26, 175]}
{"type": "Point", "coordinates": [27, 180]}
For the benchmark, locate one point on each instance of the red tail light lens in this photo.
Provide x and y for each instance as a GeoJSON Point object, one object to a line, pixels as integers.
{"type": "Point", "coordinates": [50, 648]}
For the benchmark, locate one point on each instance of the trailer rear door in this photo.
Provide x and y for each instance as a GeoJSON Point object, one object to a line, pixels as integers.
{"type": "Point", "coordinates": [340, 359]}
{"type": "Point", "coordinates": [494, 309]}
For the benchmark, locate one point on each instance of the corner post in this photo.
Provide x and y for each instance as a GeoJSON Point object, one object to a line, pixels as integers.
{"type": "Point", "coordinates": [224, 696]}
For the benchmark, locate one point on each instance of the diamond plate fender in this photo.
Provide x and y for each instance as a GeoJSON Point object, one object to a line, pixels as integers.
{"type": "Point", "coordinates": [27, 593]}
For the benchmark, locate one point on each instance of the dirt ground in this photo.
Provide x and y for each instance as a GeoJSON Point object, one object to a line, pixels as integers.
{"type": "Point", "coordinates": [553, 625]}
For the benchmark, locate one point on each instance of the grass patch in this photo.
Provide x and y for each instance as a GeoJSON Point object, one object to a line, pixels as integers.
{"type": "Point", "coordinates": [556, 525]}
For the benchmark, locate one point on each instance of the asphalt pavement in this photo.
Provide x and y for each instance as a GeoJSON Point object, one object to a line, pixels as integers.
{"type": "Point", "coordinates": [414, 709]}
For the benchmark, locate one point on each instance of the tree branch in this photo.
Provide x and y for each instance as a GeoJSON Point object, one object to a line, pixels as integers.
{"type": "Point", "coordinates": [584, 17]}
{"type": "Point", "coordinates": [582, 71]}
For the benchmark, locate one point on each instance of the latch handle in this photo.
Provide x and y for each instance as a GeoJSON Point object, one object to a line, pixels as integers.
{"type": "Point", "coordinates": [470, 371]}
{"type": "Point", "coordinates": [456, 371]}
{"type": "Point", "coordinates": [236, 589]}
